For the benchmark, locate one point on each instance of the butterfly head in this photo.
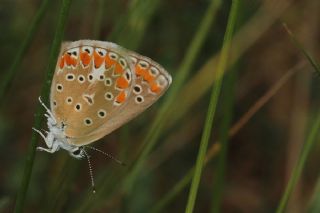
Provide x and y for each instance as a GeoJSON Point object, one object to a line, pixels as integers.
{"type": "Point", "coordinates": [77, 152]}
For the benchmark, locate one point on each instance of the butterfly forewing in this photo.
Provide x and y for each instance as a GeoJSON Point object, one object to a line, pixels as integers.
{"type": "Point", "coordinates": [91, 84]}
{"type": "Point", "coordinates": [99, 86]}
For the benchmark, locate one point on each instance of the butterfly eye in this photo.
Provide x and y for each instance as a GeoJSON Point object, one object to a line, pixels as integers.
{"type": "Point", "coordinates": [76, 152]}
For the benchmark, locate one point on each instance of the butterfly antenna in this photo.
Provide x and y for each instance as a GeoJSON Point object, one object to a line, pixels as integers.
{"type": "Point", "coordinates": [90, 171]}
{"type": "Point", "coordinates": [107, 155]}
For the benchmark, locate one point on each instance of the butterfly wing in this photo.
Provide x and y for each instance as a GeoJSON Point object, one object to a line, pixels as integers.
{"type": "Point", "coordinates": [151, 82]}
{"type": "Point", "coordinates": [92, 82]}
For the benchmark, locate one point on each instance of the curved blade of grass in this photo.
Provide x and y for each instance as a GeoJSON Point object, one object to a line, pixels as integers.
{"type": "Point", "coordinates": [312, 61]}
{"type": "Point", "coordinates": [228, 96]}
{"type": "Point", "coordinates": [297, 170]}
{"type": "Point", "coordinates": [39, 112]}
{"type": "Point", "coordinates": [212, 106]}
{"type": "Point", "coordinates": [35, 23]}
{"type": "Point", "coordinates": [185, 68]}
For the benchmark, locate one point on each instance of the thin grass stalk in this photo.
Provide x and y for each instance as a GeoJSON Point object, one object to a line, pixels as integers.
{"type": "Point", "coordinates": [227, 112]}
{"type": "Point", "coordinates": [294, 40]}
{"type": "Point", "coordinates": [297, 170]}
{"type": "Point", "coordinates": [215, 148]}
{"type": "Point", "coordinates": [39, 112]}
{"type": "Point", "coordinates": [34, 27]}
{"type": "Point", "coordinates": [212, 107]}
{"type": "Point", "coordinates": [184, 70]}
{"type": "Point", "coordinates": [314, 204]}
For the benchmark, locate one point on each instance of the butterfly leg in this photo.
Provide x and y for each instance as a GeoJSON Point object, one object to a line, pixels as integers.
{"type": "Point", "coordinates": [48, 140]}
{"type": "Point", "coordinates": [40, 133]}
{"type": "Point", "coordinates": [49, 113]}
{"type": "Point", "coordinates": [53, 149]}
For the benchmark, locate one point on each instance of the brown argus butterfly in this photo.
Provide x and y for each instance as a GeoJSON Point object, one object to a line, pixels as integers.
{"type": "Point", "coordinates": [97, 87]}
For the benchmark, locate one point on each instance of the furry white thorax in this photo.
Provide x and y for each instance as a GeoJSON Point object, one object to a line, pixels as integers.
{"type": "Point", "coordinates": [56, 139]}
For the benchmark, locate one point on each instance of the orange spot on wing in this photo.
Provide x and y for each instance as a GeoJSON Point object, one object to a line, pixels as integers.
{"type": "Point", "coordinates": [98, 60]}
{"type": "Point", "coordinates": [122, 83]}
{"type": "Point", "coordinates": [155, 87]}
{"type": "Point", "coordinates": [61, 63]}
{"type": "Point", "coordinates": [121, 97]}
{"type": "Point", "coordinates": [118, 69]}
{"type": "Point", "coordinates": [85, 58]}
{"type": "Point", "coordinates": [139, 70]}
{"type": "Point", "coordinates": [148, 77]}
{"type": "Point", "coordinates": [70, 60]}
{"type": "Point", "coordinates": [109, 62]}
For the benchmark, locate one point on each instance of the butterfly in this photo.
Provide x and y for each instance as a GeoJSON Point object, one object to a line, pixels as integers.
{"type": "Point", "coordinates": [97, 87]}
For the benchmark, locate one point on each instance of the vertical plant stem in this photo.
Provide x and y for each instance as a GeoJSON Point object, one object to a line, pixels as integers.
{"type": "Point", "coordinates": [212, 107]}
{"type": "Point", "coordinates": [157, 126]}
{"type": "Point", "coordinates": [45, 94]}
{"type": "Point", "coordinates": [297, 170]}
{"type": "Point", "coordinates": [225, 126]}
{"type": "Point", "coordinates": [9, 75]}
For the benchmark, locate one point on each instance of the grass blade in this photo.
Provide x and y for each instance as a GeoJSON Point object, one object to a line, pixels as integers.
{"type": "Point", "coordinates": [228, 97]}
{"type": "Point", "coordinates": [297, 170]}
{"type": "Point", "coordinates": [45, 94]}
{"type": "Point", "coordinates": [300, 164]}
{"type": "Point", "coordinates": [212, 106]}
{"type": "Point", "coordinates": [10, 74]}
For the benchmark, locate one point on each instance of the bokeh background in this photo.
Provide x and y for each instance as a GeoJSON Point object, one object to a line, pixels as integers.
{"type": "Point", "coordinates": [268, 101]}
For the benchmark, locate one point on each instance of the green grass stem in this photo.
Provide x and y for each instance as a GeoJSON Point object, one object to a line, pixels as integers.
{"type": "Point", "coordinates": [212, 106]}
{"type": "Point", "coordinates": [219, 176]}
{"type": "Point", "coordinates": [12, 71]}
{"type": "Point", "coordinates": [39, 112]}
{"type": "Point", "coordinates": [297, 170]}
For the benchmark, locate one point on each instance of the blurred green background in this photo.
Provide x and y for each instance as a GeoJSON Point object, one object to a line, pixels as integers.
{"type": "Point", "coordinates": [267, 104]}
